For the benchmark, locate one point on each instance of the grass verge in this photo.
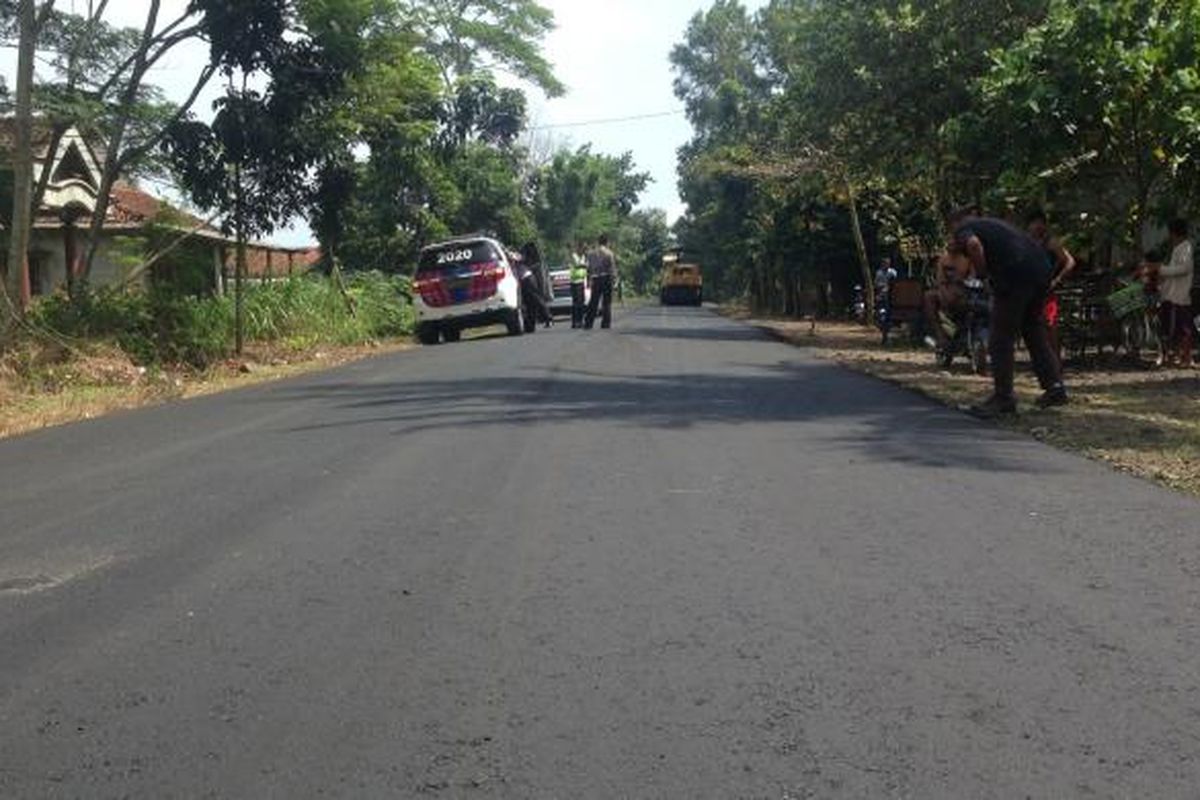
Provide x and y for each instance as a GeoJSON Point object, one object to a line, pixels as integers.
{"type": "Point", "coordinates": [104, 380]}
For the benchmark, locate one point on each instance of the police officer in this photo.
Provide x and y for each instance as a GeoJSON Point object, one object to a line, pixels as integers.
{"type": "Point", "coordinates": [1020, 275]}
{"type": "Point", "coordinates": [579, 277]}
{"type": "Point", "coordinates": [602, 271]}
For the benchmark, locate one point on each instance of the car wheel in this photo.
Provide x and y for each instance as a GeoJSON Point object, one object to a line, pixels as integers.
{"type": "Point", "coordinates": [427, 333]}
{"type": "Point", "coordinates": [451, 334]}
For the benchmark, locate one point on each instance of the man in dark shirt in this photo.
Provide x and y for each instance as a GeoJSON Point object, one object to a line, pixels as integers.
{"type": "Point", "coordinates": [602, 271]}
{"type": "Point", "coordinates": [1020, 275]}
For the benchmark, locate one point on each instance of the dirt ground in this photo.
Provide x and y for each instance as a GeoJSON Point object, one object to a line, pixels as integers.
{"type": "Point", "coordinates": [40, 388]}
{"type": "Point", "coordinates": [1139, 419]}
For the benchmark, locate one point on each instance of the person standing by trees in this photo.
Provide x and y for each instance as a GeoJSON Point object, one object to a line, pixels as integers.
{"type": "Point", "coordinates": [602, 270]}
{"type": "Point", "coordinates": [1174, 289]}
{"type": "Point", "coordinates": [1060, 260]}
{"type": "Point", "coordinates": [1020, 275]}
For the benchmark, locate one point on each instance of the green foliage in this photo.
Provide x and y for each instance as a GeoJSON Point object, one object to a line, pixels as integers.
{"type": "Point", "coordinates": [462, 34]}
{"type": "Point", "coordinates": [304, 311]}
{"type": "Point", "coordinates": [902, 110]}
{"type": "Point", "coordinates": [164, 327]}
{"type": "Point", "coordinates": [1098, 107]}
{"type": "Point", "coordinates": [580, 195]}
{"type": "Point", "coordinates": [84, 63]}
{"type": "Point", "coordinates": [153, 328]}
{"type": "Point", "coordinates": [641, 256]}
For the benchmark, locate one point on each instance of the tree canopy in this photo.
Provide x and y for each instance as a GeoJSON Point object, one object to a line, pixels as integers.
{"type": "Point", "coordinates": [807, 112]}
{"type": "Point", "coordinates": [382, 123]}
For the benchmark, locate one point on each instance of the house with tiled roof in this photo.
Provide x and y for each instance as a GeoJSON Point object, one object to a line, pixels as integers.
{"type": "Point", "coordinates": [135, 227]}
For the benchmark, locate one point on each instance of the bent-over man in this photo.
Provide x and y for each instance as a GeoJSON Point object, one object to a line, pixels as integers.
{"type": "Point", "coordinates": [1020, 275]}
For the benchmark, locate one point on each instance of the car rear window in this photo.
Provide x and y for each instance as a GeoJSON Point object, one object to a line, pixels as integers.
{"type": "Point", "coordinates": [457, 253]}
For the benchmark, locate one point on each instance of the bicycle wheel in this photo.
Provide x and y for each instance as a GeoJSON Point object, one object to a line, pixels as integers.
{"type": "Point", "coordinates": [1136, 334]}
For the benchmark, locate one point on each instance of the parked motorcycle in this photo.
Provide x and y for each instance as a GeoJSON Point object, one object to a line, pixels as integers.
{"type": "Point", "coordinates": [858, 305]}
{"type": "Point", "coordinates": [968, 335]}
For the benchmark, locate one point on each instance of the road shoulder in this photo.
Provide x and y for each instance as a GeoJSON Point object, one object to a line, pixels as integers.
{"type": "Point", "coordinates": [1144, 422]}
{"type": "Point", "coordinates": [101, 383]}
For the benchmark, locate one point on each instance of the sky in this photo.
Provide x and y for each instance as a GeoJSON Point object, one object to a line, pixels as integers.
{"type": "Point", "coordinates": [611, 54]}
{"type": "Point", "coordinates": [614, 58]}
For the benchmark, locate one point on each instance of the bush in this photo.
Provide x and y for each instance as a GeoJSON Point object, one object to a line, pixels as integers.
{"type": "Point", "coordinates": [162, 326]}
{"type": "Point", "coordinates": [311, 309]}
{"type": "Point", "coordinates": [154, 327]}
{"type": "Point", "coordinates": [383, 304]}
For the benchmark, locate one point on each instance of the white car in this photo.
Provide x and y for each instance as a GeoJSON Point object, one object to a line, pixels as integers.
{"type": "Point", "coordinates": [560, 287]}
{"type": "Point", "coordinates": [465, 283]}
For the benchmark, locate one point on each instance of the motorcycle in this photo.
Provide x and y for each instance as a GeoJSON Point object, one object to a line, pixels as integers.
{"type": "Point", "coordinates": [858, 305]}
{"type": "Point", "coordinates": [968, 335]}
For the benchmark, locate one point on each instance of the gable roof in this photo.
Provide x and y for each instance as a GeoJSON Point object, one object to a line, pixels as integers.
{"type": "Point", "coordinates": [129, 205]}
{"type": "Point", "coordinates": [42, 133]}
{"type": "Point", "coordinates": [76, 162]}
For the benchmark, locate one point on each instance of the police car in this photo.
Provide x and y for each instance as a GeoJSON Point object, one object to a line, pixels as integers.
{"type": "Point", "coordinates": [468, 282]}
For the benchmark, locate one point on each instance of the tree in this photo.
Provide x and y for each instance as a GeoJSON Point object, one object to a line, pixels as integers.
{"type": "Point", "coordinates": [844, 112]}
{"type": "Point", "coordinates": [31, 18]}
{"type": "Point", "coordinates": [653, 239]}
{"type": "Point", "coordinates": [581, 194]}
{"type": "Point", "coordinates": [720, 79]}
{"type": "Point", "coordinates": [468, 38]}
{"type": "Point", "coordinates": [1099, 100]}
{"type": "Point", "coordinates": [447, 155]}
{"type": "Point", "coordinates": [253, 161]}
{"type": "Point", "coordinates": [98, 83]}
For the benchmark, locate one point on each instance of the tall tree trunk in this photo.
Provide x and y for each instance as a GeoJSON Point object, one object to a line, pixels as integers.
{"type": "Point", "coordinates": [860, 250]}
{"type": "Point", "coordinates": [22, 165]}
{"type": "Point", "coordinates": [239, 273]}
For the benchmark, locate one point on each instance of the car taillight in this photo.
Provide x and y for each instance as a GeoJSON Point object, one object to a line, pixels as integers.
{"type": "Point", "coordinates": [426, 281]}
{"type": "Point", "coordinates": [493, 269]}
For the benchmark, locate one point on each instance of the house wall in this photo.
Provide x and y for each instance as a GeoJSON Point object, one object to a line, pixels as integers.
{"type": "Point", "coordinates": [117, 255]}
{"type": "Point", "coordinates": [122, 251]}
{"type": "Point", "coordinates": [46, 262]}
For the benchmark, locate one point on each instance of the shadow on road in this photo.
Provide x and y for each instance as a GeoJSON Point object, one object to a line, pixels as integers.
{"type": "Point", "coordinates": [887, 423]}
{"type": "Point", "coordinates": [716, 333]}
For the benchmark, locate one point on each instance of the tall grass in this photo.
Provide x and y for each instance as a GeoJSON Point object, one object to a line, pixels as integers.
{"type": "Point", "coordinates": [161, 327]}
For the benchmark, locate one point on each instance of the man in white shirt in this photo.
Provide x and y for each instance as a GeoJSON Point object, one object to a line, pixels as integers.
{"type": "Point", "coordinates": [1174, 290]}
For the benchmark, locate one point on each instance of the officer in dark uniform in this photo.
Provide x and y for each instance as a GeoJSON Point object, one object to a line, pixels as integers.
{"type": "Point", "coordinates": [1020, 275]}
{"type": "Point", "coordinates": [534, 284]}
{"type": "Point", "coordinates": [602, 271]}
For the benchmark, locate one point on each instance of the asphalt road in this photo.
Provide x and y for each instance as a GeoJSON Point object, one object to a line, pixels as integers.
{"type": "Point", "coordinates": [671, 560]}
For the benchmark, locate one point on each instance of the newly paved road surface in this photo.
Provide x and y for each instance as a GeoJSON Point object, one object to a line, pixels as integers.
{"type": "Point", "coordinates": [672, 560]}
